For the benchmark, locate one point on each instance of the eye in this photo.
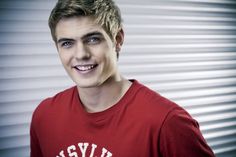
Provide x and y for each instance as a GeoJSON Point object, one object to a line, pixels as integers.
{"type": "Point", "coordinates": [93, 40]}
{"type": "Point", "coordinates": [66, 44]}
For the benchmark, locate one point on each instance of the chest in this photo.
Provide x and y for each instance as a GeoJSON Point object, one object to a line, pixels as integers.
{"type": "Point", "coordinates": [74, 136]}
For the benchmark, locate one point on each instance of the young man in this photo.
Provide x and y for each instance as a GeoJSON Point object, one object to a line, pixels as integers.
{"type": "Point", "coordinates": [106, 115]}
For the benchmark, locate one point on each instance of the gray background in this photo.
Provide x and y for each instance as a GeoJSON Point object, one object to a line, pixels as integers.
{"type": "Point", "coordinates": [183, 49]}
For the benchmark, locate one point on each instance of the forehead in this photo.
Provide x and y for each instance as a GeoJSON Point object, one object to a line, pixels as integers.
{"type": "Point", "coordinates": [75, 27]}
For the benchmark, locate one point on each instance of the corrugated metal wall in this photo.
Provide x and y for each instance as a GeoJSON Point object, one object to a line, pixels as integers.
{"type": "Point", "coordinates": [184, 49]}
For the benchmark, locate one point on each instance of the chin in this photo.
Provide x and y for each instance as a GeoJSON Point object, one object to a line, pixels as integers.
{"type": "Point", "coordinates": [87, 84]}
{"type": "Point", "coordinates": [91, 82]}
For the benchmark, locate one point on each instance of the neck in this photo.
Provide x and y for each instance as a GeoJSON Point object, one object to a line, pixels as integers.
{"type": "Point", "coordinates": [100, 98]}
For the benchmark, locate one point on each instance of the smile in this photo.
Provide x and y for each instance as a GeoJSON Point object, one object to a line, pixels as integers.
{"type": "Point", "coordinates": [84, 68]}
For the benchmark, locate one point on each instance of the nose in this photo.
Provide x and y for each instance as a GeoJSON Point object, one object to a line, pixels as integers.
{"type": "Point", "coordinates": [81, 52]}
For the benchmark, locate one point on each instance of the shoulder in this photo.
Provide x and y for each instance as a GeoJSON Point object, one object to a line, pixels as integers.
{"type": "Point", "coordinates": [180, 133]}
{"type": "Point", "coordinates": [53, 104]}
{"type": "Point", "coordinates": [153, 101]}
{"type": "Point", "coordinates": [153, 106]}
{"type": "Point", "coordinates": [181, 118]}
{"type": "Point", "coordinates": [60, 98]}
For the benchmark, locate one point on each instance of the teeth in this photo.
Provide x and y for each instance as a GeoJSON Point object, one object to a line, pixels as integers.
{"type": "Point", "coordinates": [85, 67]}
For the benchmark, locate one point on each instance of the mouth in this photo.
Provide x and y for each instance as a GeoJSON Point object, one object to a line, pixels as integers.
{"type": "Point", "coordinates": [85, 68]}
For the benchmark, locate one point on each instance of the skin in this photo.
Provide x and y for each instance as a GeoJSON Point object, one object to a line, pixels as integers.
{"type": "Point", "coordinates": [89, 56]}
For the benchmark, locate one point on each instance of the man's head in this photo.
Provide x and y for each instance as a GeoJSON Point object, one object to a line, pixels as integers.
{"type": "Point", "coordinates": [105, 13]}
{"type": "Point", "coordinates": [88, 37]}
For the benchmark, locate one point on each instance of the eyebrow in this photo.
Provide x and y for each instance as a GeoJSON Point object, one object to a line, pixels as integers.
{"type": "Point", "coordinates": [64, 39]}
{"type": "Point", "coordinates": [95, 33]}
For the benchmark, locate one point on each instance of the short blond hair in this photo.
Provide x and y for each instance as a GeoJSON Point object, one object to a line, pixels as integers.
{"type": "Point", "coordinates": [105, 12]}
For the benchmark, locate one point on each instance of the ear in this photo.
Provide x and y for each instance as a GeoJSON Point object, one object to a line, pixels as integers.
{"type": "Point", "coordinates": [119, 40]}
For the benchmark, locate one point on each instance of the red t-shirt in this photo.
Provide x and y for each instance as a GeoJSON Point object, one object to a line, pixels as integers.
{"type": "Point", "coordinates": [141, 124]}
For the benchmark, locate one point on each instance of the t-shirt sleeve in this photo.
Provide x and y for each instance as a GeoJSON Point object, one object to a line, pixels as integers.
{"type": "Point", "coordinates": [35, 150]}
{"type": "Point", "coordinates": [180, 137]}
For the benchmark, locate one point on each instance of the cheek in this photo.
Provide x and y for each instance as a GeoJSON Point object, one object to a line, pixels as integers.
{"type": "Point", "coordinates": [65, 58]}
{"type": "Point", "coordinates": [110, 60]}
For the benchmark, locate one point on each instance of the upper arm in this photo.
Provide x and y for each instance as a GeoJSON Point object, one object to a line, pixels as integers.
{"type": "Point", "coordinates": [35, 150]}
{"type": "Point", "coordinates": [181, 137]}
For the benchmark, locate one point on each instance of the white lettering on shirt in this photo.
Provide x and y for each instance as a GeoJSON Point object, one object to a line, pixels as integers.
{"type": "Point", "coordinates": [83, 147]}
{"type": "Point", "coordinates": [94, 146]}
{"type": "Point", "coordinates": [61, 154]}
{"type": "Point", "coordinates": [104, 151]}
{"type": "Point", "coordinates": [70, 149]}
{"type": "Point", "coordinates": [73, 151]}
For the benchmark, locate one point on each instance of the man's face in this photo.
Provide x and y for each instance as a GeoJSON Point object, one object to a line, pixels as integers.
{"type": "Point", "coordinates": [86, 51]}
